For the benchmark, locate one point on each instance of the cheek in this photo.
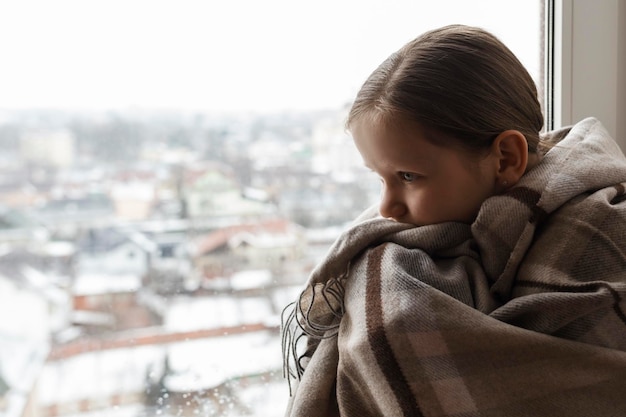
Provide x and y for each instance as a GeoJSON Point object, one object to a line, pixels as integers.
{"type": "Point", "coordinates": [461, 193]}
{"type": "Point", "coordinates": [472, 194]}
{"type": "Point", "coordinates": [430, 201]}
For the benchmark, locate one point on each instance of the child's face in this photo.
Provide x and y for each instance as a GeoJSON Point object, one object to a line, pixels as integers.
{"type": "Point", "coordinates": [424, 183]}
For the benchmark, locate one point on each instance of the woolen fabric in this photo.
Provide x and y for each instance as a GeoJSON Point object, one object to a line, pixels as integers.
{"type": "Point", "coordinates": [521, 313]}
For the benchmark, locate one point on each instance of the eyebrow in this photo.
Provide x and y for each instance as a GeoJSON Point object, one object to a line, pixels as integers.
{"type": "Point", "coordinates": [413, 168]}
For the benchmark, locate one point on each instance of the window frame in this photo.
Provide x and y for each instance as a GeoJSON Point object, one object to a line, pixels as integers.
{"type": "Point", "coordinates": [586, 64]}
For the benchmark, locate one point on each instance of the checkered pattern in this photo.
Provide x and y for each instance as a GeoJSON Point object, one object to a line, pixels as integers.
{"type": "Point", "coordinates": [520, 314]}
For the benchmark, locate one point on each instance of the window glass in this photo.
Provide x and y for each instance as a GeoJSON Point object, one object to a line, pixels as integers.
{"type": "Point", "coordinates": [170, 173]}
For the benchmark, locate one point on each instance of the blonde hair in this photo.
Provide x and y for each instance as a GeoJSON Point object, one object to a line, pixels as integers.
{"type": "Point", "coordinates": [459, 81]}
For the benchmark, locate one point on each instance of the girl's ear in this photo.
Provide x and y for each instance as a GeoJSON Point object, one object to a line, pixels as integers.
{"type": "Point", "coordinates": [511, 150]}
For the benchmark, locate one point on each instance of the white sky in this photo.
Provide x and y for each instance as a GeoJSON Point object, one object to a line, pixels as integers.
{"type": "Point", "coordinates": [224, 55]}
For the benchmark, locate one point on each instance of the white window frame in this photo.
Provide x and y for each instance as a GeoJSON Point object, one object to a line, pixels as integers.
{"type": "Point", "coordinates": [586, 63]}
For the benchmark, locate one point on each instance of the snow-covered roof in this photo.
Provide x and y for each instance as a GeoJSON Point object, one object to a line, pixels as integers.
{"type": "Point", "coordinates": [270, 233]}
{"type": "Point", "coordinates": [94, 283]}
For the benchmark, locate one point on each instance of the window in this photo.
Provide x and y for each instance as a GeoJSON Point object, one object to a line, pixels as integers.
{"type": "Point", "coordinates": [587, 64]}
{"type": "Point", "coordinates": [208, 140]}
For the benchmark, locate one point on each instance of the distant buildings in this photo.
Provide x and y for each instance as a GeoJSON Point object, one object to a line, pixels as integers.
{"type": "Point", "coordinates": [20, 228]}
{"type": "Point", "coordinates": [124, 239]}
{"type": "Point", "coordinates": [272, 245]}
{"type": "Point", "coordinates": [54, 148]}
{"type": "Point", "coordinates": [35, 304]}
{"type": "Point", "coordinates": [210, 190]}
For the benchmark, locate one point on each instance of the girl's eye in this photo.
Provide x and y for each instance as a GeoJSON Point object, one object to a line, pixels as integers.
{"type": "Point", "coordinates": [408, 176]}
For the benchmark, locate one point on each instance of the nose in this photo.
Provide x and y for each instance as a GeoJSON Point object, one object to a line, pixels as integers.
{"type": "Point", "coordinates": [391, 204]}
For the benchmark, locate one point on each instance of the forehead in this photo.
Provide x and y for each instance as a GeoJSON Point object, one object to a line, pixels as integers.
{"type": "Point", "coordinates": [404, 145]}
{"type": "Point", "coordinates": [378, 139]}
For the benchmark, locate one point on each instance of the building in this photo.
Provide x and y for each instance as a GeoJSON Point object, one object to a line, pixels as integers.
{"type": "Point", "coordinates": [49, 148]}
{"type": "Point", "coordinates": [209, 190]}
{"type": "Point", "coordinates": [255, 246]}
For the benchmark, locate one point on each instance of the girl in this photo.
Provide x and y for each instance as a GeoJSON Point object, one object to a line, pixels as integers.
{"type": "Point", "coordinates": [491, 278]}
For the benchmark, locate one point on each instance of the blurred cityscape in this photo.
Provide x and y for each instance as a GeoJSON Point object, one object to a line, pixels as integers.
{"type": "Point", "coordinates": [146, 257]}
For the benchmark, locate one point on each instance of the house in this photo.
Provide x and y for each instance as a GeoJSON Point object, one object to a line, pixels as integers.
{"type": "Point", "coordinates": [211, 190]}
{"type": "Point", "coordinates": [18, 227]}
{"type": "Point", "coordinates": [115, 251]}
{"type": "Point", "coordinates": [108, 302]}
{"type": "Point", "coordinates": [171, 269]}
{"type": "Point", "coordinates": [159, 260]}
{"type": "Point", "coordinates": [56, 148]}
{"type": "Point", "coordinates": [16, 187]}
{"type": "Point", "coordinates": [66, 216]}
{"type": "Point", "coordinates": [134, 192]}
{"type": "Point", "coordinates": [266, 245]}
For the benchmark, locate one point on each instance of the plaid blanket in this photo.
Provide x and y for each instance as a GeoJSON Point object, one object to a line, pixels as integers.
{"type": "Point", "coordinates": [520, 314]}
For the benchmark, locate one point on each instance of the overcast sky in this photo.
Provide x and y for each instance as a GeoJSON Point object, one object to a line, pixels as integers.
{"type": "Point", "coordinates": [224, 55]}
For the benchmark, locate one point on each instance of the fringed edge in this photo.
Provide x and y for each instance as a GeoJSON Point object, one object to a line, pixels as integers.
{"type": "Point", "coordinates": [298, 321]}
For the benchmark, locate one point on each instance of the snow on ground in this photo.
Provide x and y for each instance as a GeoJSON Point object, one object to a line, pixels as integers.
{"type": "Point", "coordinates": [195, 365]}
